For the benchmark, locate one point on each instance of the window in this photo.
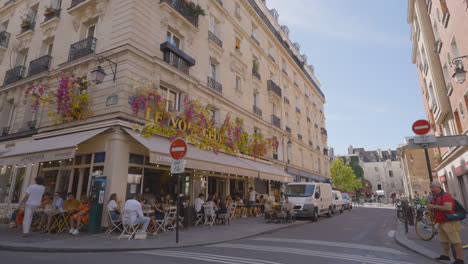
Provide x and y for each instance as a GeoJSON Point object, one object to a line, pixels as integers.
{"type": "Point", "coordinates": [390, 173]}
{"type": "Point", "coordinates": [379, 187]}
{"type": "Point", "coordinates": [172, 99]}
{"type": "Point", "coordinates": [22, 58]}
{"type": "Point", "coordinates": [286, 91]}
{"type": "Point", "coordinates": [299, 129]}
{"type": "Point", "coordinates": [215, 115]}
{"type": "Point", "coordinates": [91, 31]}
{"type": "Point", "coordinates": [257, 131]}
{"type": "Point", "coordinates": [460, 108]}
{"type": "Point", "coordinates": [256, 65]}
{"type": "Point", "coordinates": [254, 32]}
{"type": "Point", "coordinates": [256, 97]}
{"type": "Point", "coordinates": [289, 153]}
{"type": "Point", "coordinates": [237, 10]}
{"type": "Point", "coordinates": [49, 49]}
{"type": "Point", "coordinates": [237, 43]}
{"type": "Point", "coordinates": [271, 52]}
{"type": "Point", "coordinates": [174, 40]}
{"type": "Point", "coordinates": [287, 120]}
{"type": "Point", "coordinates": [238, 83]}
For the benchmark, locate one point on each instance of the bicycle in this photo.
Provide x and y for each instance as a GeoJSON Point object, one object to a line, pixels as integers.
{"type": "Point", "coordinates": [426, 227]}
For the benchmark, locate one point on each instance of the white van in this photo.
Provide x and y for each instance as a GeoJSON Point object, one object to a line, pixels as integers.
{"type": "Point", "coordinates": [337, 202]}
{"type": "Point", "coordinates": [310, 199]}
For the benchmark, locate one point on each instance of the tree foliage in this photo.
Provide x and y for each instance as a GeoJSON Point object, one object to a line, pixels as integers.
{"type": "Point", "coordinates": [343, 177]}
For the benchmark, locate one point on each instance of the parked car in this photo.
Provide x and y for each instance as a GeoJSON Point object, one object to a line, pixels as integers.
{"type": "Point", "coordinates": [347, 205]}
{"type": "Point", "coordinates": [337, 202]}
{"type": "Point", "coordinates": [310, 199]}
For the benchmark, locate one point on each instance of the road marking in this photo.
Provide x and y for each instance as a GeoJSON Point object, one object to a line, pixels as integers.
{"type": "Point", "coordinates": [332, 244]}
{"type": "Point", "coordinates": [205, 257]}
{"type": "Point", "coordinates": [178, 149]}
{"type": "Point", "coordinates": [323, 254]}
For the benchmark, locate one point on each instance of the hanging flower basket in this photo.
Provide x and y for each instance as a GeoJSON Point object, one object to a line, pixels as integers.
{"type": "Point", "coordinates": [50, 11]}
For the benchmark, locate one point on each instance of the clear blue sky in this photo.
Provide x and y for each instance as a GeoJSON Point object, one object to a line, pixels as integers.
{"type": "Point", "coordinates": [361, 51]}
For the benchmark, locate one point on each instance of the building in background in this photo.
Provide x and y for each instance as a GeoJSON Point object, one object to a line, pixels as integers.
{"type": "Point", "coordinates": [236, 58]}
{"type": "Point", "coordinates": [438, 35]}
{"type": "Point", "coordinates": [416, 175]}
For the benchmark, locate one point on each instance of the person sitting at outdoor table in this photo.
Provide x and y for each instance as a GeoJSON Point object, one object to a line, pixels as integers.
{"type": "Point", "coordinates": [245, 209]}
{"type": "Point", "coordinates": [58, 201]}
{"type": "Point", "coordinates": [261, 203]}
{"type": "Point", "coordinates": [134, 209]}
{"type": "Point", "coordinates": [222, 209]}
{"type": "Point", "coordinates": [169, 201]}
{"type": "Point", "coordinates": [216, 201]}
{"type": "Point", "coordinates": [48, 206]}
{"type": "Point", "coordinates": [159, 213]}
{"type": "Point", "coordinates": [288, 207]}
{"type": "Point", "coordinates": [229, 200]}
{"type": "Point", "coordinates": [198, 204]}
{"type": "Point", "coordinates": [71, 204]}
{"type": "Point", "coordinates": [114, 207]}
{"type": "Point", "coordinates": [81, 216]}
{"type": "Point", "coordinates": [269, 203]}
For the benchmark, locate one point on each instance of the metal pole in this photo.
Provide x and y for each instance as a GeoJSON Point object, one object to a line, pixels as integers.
{"type": "Point", "coordinates": [177, 208]}
{"type": "Point", "coordinates": [428, 164]}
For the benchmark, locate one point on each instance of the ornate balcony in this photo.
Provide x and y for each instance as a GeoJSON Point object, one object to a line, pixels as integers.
{"type": "Point", "coordinates": [14, 75]}
{"type": "Point", "coordinates": [176, 57]}
{"type": "Point", "coordinates": [39, 65]}
{"type": "Point", "coordinates": [256, 74]}
{"type": "Point", "coordinates": [323, 131]}
{"type": "Point", "coordinates": [74, 3]}
{"type": "Point", "coordinates": [298, 110]}
{"type": "Point", "coordinates": [27, 27]}
{"type": "Point", "coordinates": [288, 129]}
{"type": "Point", "coordinates": [53, 15]}
{"type": "Point", "coordinates": [286, 100]}
{"type": "Point", "coordinates": [308, 119]}
{"type": "Point", "coordinates": [215, 39]}
{"type": "Point", "coordinates": [82, 48]}
{"type": "Point", "coordinates": [4, 39]}
{"type": "Point", "coordinates": [257, 110]}
{"type": "Point", "coordinates": [276, 121]}
{"type": "Point", "coordinates": [273, 87]}
{"type": "Point", "coordinates": [299, 136]}
{"type": "Point", "coordinates": [182, 8]}
{"type": "Point", "coordinates": [212, 83]}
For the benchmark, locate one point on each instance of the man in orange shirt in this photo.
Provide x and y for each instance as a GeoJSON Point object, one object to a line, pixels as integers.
{"type": "Point", "coordinates": [71, 204]}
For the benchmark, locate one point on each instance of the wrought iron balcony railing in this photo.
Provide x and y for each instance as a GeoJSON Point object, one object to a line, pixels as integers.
{"type": "Point", "coordinates": [288, 129]}
{"type": "Point", "coordinates": [323, 131]}
{"type": "Point", "coordinates": [14, 75]}
{"type": "Point", "coordinates": [28, 27]}
{"type": "Point", "coordinates": [183, 9]}
{"type": "Point", "coordinates": [212, 83]}
{"type": "Point", "coordinates": [257, 110]}
{"type": "Point", "coordinates": [215, 39]}
{"type": "Point", "coordinates": [273, 87]}
{"type": "Point", "coordinates": [56, 14]}
{"type": "Point", "coordinates": [76, 2]}
{"type": "Point", "coordinates": [286, 100]}
{"type": "Point", "coordinates": [256, 74]}
{"type": "Point", "coordinates": [299, 136]}
{"type": "Point", "coordinates": [82, 48]}
{"type": "Point", "coordinates": [176, 57]}
{"type": "Point", "coordinates": [4, 39]}
{"type": "Point", "coordinates": [276, 121]}
{"type": "Point", "coordinates": [39, 65]}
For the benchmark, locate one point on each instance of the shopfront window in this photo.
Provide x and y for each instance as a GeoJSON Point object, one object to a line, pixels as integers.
{"type": "Point", "coordinates": [133, 181]}
{"type": "Point", "coordinates": [5, 174]}
{"type": "Point", "coordinates": [199, 185]}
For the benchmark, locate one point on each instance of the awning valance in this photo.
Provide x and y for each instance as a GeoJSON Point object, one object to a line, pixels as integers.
{"type": "Point", "coordinates": [48, 149]}
{"type": "Point", "coordinates": [209, 161]}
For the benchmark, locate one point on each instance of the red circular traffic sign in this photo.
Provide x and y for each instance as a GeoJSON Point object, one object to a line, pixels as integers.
{"type": "Point", "coordinates": [421, 127]}
{"type": "Point", "coordinates": [178, 149]}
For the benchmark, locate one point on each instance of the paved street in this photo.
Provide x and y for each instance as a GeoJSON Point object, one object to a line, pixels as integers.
{"type": "Point", "coordinates": [364, 235]}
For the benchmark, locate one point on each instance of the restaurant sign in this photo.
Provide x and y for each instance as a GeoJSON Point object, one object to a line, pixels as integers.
{"type": "Point", "coordinates": [37, 157]}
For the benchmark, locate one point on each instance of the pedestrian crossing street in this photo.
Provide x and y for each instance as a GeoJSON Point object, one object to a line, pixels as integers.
{"type": "Point", "coordinates": [270, 250]}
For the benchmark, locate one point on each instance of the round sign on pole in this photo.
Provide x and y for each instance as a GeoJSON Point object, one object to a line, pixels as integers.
{"type": "Point", "coordinates": [178, 149]}
{"type": "Point", "coordinates": [421, 127]}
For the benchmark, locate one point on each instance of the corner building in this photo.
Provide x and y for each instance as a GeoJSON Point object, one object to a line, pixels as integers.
{"type": "Point", "coordinates": [236, 58]}
{"type": "Point", "coordinates": [439, 40]}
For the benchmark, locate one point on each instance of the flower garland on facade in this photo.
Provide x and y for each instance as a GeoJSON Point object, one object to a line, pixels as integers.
{"type": "Point", "coordinates": [66, 101]}
{"type": "Point", "coordinates": [196, 124]}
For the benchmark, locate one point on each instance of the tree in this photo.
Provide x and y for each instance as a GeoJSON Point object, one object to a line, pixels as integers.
{"type": "Point", "coordinates": [343, 177]}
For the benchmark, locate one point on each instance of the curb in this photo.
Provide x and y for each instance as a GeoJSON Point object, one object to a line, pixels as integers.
{"type": "Point", "coordinates": [24, 248]}
{"type": "Point", "coordinates": [402, 240]}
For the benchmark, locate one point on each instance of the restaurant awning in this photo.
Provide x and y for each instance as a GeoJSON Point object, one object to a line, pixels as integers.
{"type": "Point", "coordinates": [48, 149]}
{"type": "Point", "coordinates": [209, 161]}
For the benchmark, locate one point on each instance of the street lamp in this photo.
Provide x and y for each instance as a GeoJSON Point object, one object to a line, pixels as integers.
{"type": "Point", "coordinates": [460, 74]}
{"type": "Point", "coordinates": [98, 73]}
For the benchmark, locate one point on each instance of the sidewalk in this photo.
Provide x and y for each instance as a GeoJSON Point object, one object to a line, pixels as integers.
{"type": "Point", "coordinates": [431, 248]}
{"type": "Point", "coordinates": [195, 236]}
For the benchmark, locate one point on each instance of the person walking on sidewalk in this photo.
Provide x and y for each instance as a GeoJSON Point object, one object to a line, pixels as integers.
{"type": "Point", "coordinates": [449, 231]}
{"type": "Point", "coordinates": [31, 202]}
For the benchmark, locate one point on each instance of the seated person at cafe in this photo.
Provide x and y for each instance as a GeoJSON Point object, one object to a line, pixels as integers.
{"type": "Point", "coordinates": [114, 207]}
{"type": "Point", "coordinates": [229, 200]}
{"type": "Point", "coordinates": [58, 201]}
{"type": "Point", "coordinates": [158, 215]}
{"type": "Point", "coordinates": [261, 203]}
{"type": "Point", "coordinates": [288, 207]}
{"type": "Point", "coordinates": [82, 215]}
{"type": "Point", "coordinates": [71, 204]}
{"type": "Point", "coordinates": [134, 212]}
{"type": "Point", "coordinates": [245, 208]}
{"type": "Point", "coordinates": [222, 210]}
{"type": "Point", "coordinates": [269, 203]}
{"type": "Point", "coordinates": [48, 208]}
{"type": "Point", "coordinates": [198, 205]}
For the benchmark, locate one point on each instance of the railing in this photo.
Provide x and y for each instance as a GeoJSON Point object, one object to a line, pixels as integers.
{"type": "Point", "coordinates": [298, 110]}
{"type": "Point", "coordinates": [215, 39]}
{"type": "Point", "coordinates": [82, 48]}
{"type": "Point", "coordinates": [286, 100]}
{"type": "Point", "coordinates": [183, 10]}
{"type": "Point", "coordinates": [288, 129]}
{"type": "Point", "coordinates": [5, 131]}
{"type": "Point", "coordinates": [56, 14]}
{"type": "Point", "coordinates": [311, 144]}
{"type": "Point", "coordinates": [75, 3]}
{"type": "Point", "coordinates": [308, 119]}
{"type": "Point", "coordinates": [276, 121]}
{"type": "Point", "coordinates": [28, 27]}
{"type": "Point", "coordinates": [257, 110]}
{"type": "Point", "coordinates": [323, 131]}
{"type": "Point", "coordinates": [255, 39]}
{"type": "Point", "coordinates": [299, 136]}
{"type": "Point", "coordinates": [4, 39]}
{"type": "Point", "coordinates": [175, 61]}
{"type": "Point", "coordinates": [14, 75]}
{"type": "Point", "coordinates": [39, 65]}
{"type": "Point", "coordinates": [220, 2]}
{"type": "Point", "coordinates": [212, 83]}
{"type": "Point", "coordinates": [285, 72]}
{"type": "Point", "coordinates": [271, 58]}
{"type": "Point", "coordinates": [32, 124]}
{"type": "Point", "coordinates": [273, 87]}
{"type": "Point", "coordinates": [256, 74]}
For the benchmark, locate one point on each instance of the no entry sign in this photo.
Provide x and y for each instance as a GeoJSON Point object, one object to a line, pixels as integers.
{"type": "Point", "coordinates": [421, 127]}
{"type": "Point", "coordinates": [178, 149]}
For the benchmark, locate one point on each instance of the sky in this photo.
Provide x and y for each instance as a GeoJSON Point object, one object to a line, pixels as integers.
{"type": "Point", "coordinates": [361, 51]}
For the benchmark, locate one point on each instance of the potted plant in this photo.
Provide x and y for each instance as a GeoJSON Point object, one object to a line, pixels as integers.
{"type": "Point", "coordinates": [50, 11]}
{"type": "Point", "coordinates": [196, 10]}
{"type": "Point", "coordinates": [25, 22]}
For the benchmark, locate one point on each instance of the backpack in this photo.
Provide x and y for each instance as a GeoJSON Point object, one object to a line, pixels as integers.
{"type": "Point", "coordinates": [460, 212]}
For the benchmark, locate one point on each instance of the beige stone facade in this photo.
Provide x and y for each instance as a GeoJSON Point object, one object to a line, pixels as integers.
{"type": "Point", "coordinates": [236, 58]}
{"type": "Point", "coordinates": [416, 175]}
